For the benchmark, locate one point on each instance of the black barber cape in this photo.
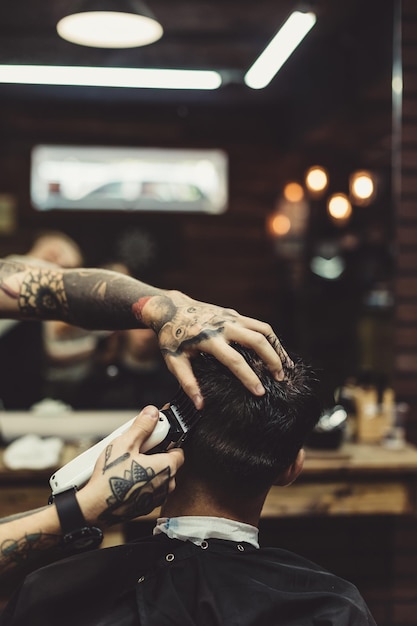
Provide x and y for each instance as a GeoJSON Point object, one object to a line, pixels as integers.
{"type": "Point", "coordinates": [159, 582]}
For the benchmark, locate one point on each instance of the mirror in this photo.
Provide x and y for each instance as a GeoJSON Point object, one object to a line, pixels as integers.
{"type": "Point", "coordinates": [327, 291]}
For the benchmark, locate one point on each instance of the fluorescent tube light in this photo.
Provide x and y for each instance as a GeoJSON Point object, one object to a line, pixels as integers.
{"type": "Point", "coordinates": [109, 77]}
{"type": "Point", "coordinates": [279, 49]}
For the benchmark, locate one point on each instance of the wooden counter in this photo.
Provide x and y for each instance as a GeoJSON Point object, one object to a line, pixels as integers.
{"type": "Point", "coordinates": [355, 480]}
{"type": "Point", "coordinates": [358, 479]}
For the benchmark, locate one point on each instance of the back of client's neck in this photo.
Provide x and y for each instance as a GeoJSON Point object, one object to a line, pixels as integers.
{"type": "Point", "coordinates": [195, 499]}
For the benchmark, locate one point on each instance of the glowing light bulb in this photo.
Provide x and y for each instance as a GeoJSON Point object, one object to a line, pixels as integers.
{"type": "Point", "coordinates": [279, 225]}
{"type": "Point", "coordinates": [316, 179]}
{"type": "Point", "coordinates": [339, 207]}
{"type": "Point", "coordinates": [293, 192]}
{"type": "Point", "coordinates": [362, 187]}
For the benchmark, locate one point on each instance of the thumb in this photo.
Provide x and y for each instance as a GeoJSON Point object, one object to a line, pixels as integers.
{"type": "Point", "coordinates": [144, 424]}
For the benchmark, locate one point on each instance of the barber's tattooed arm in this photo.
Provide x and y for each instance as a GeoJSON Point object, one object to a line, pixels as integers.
{"type": "Point", "coordinates": [125, 484]}
{"type": "Point", "coordinates": [132, 492]}
{"type": "Point", "coordinates": [89, 298]}
{"type": "Point", "coordinates": [26, 537]}
{"type": "Point", "coordinates": [105, 300]}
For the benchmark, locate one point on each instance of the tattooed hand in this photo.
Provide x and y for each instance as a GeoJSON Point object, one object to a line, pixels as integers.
{"type": "Point", "coordinates": [185, 326]}
{"type": "Point", "coordinates": [126, 484]}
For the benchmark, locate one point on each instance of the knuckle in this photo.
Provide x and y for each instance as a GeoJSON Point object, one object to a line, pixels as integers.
{"type": "Point", "coordinates": [235, 360]}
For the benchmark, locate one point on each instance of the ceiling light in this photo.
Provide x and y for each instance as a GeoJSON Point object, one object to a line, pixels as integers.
{"type": "Point", "coordinates": [110, 24]}
{"type": "Point", "coordinates": [109, 77]}
{"type": "Point", "coordinates": [279, 49]}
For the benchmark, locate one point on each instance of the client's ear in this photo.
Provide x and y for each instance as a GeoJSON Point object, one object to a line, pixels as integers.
{"type": "Point", "coordinates": [289, 475]}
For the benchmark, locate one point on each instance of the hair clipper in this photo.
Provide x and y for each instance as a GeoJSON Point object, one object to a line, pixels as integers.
{"type": "Point", "coordinates": [173, 425]}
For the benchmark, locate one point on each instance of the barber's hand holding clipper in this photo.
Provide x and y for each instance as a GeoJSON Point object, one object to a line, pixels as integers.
{"type": "Point", "coordinates": [125, 483]}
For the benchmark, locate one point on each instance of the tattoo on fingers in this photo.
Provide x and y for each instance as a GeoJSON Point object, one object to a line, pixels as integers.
{"type": "Point", "coordinates": [276, 344]}
{"type": "Point", "coordinates": [274, 341]}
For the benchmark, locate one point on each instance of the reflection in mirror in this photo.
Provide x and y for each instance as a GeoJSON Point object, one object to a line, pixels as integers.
{"type": "Point", "coordinates": [108, 178]}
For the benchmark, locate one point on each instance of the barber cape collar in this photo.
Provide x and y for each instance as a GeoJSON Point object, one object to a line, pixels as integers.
{"type": "Point", "coordinates": [199, 528]}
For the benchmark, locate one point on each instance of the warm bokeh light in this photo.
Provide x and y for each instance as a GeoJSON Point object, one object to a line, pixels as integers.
{"type": "Point", "coordinates": [316, 179]}
{"type": "Point", "coordinates": [279, 225]}
{"type": "Point", "coordinates": [362, 187]}
{"type": "Point", "coordinates": [339, 206]}
{"type": "Point", "coordinates": [293, 192]}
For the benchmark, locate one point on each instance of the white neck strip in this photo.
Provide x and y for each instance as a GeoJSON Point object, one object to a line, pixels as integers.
{"type": "Point", "coordinates": [199, 528]}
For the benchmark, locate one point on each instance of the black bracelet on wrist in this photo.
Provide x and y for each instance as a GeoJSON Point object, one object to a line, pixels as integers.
{"type": "Point", "coordinates": [77, 534]}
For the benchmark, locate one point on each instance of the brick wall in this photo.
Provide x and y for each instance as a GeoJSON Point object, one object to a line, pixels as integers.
{"type": "Point", "coordinates": [398, 600]}
{"type": "Point", "coordinates": [405, 186]}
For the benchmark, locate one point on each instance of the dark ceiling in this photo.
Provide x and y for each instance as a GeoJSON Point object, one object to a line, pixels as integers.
{"type": "Point", "coordinates": [333, 94]}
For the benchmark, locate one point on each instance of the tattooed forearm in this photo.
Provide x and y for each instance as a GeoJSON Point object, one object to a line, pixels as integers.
{"type": "Point", "coordinates": [89, 298]}
{"type": "Point", "coordinates": [137, 493]}
{"type": "Point", "coordinates": [101, 299]}
{"type": "Point", "coordinates": [21, 548]}
{"type": "Point", "coordinates": [19, 552]}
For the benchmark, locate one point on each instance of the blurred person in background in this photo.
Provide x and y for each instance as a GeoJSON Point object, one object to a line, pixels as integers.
{"type": "Point", "coordinates": [21, 378]}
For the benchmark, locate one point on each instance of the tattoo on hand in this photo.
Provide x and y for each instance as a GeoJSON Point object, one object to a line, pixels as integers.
{"type": "Point", "coordinates": [119, 459]}
{"type": "Point", "coordinates": [182, 327]}
{"type": "Point", "coordinates": [137, 493]}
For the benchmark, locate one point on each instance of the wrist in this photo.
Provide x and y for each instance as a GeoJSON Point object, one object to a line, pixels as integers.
{"type": "Point", "coordinates": [157, 309]}
{"type": "Point", "coordinates": [77, 533]}
{"type": "Point", "coordinates": [91, 507]}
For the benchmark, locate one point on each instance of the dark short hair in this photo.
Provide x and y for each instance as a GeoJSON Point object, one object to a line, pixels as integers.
{"type": "Point", "coordinates": [242, 442]}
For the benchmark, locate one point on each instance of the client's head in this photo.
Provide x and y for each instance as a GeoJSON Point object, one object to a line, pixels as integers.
{"type": "Point", "coordinates": [243, 443]}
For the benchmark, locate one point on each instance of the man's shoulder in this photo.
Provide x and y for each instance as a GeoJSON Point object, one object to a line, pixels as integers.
{"type": "Point", "coordinates": [298, 572]}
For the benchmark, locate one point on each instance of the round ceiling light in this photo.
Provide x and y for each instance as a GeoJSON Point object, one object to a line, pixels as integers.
{"type": "Point", "coordinates": [109, 29]}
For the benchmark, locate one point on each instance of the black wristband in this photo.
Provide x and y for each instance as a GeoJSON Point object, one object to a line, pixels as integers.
{"type": "Point", "coordinates": [77, 534]}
